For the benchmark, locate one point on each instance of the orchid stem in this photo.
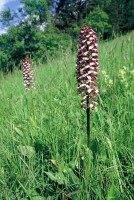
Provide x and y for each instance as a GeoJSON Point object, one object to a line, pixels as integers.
{"type": "Point", "coordinates": [88, 123]}
{"type": "Point", "coordinates": [88, 126]}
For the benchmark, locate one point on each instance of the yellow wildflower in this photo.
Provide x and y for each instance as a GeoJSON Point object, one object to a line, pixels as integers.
{"type": "Point", "coordinates": [103, 90]}
{"type": "Point", "coordinates": [110, 82]}
{"type": "Point", "coordinates": [132, 72]}
{"type": "Point", "coordinates": [126, 85]}
{"type": "Point", "coordinates": [103, 72]}
{"type": "Point", "coordinates": [125, 68]}
{"type": "Point", "coordinates": [106, 78]}
{"type": "Point", "coordinates": [122, 73]}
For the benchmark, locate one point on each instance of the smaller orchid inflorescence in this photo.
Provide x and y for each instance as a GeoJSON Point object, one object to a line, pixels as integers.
{"type": "Point", "coordinates": [87, 67]}
{"type": "Point", "coordinates": [28, 74]}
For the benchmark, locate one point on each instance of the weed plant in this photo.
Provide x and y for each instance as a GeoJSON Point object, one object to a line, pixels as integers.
{"type": "Point", "coordinates": [43, 152]}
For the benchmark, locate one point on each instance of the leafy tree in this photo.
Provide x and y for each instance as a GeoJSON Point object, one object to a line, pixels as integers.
{"type": "Point", "coordinates": [128, 19]}
{"type": "Point", "coordinates": [3, 61]}
{"type": "Point", "coordinates": [6, 17]}
{"type": "Point", "coordinates": [99, 20]}
{"type": "Point", "coordinates": [71, 12]}
{"type": "Point", "coordinates": [121, 15]}
{"type": "Point", "coordinates": [25, 37]}
{"type": "Point", "coordinates": [36, 10]}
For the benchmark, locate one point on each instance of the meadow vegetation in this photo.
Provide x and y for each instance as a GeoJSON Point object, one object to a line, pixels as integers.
{"type": "Point", "coordinates": [43, 151]}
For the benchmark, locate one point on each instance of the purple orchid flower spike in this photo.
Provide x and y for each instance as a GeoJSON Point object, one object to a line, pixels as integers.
{"type": "Point", "coordinates": [28, 74]}
{"type": "Point", "coordinates": [87, 70]}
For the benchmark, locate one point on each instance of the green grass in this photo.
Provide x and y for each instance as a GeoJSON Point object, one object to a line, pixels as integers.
{"type": "Point", "coordinates": [43, 152]}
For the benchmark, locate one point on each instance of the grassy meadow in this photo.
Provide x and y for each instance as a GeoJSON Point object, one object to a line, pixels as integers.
{"type": "Point", "coordinates": [43, 151]}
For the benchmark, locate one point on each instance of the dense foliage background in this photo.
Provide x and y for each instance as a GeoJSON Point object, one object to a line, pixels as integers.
{"type": "Point", "coordinates": [40, 27]}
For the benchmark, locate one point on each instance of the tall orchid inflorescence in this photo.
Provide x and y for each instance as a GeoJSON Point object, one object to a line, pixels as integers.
{"type": "Point", "coordinates": [28, 75]}
{"type": "Point", "coordinates": [87, 70]}
{"type": "Point", "coordinates": [87, 67]}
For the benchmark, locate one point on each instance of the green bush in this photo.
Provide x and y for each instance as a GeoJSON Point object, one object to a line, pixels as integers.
{"type": "Point", "coordinates": [99, 20]}
{"type": "Point", "coordinates": [50, 42]}
{"type": "Point", "coordinates": [3, 61]}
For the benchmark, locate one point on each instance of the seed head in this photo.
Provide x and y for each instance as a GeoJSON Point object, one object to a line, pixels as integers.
{"type": "Point", "coordinates": [28, 75]}
{"type": "Point", "coordinates": [87, 67]}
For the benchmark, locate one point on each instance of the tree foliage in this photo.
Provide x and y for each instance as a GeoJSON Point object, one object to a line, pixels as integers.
{"type": "Point", "coordinates": [99, 20]}
{"type": "Point", "coordinates": [40, 27]}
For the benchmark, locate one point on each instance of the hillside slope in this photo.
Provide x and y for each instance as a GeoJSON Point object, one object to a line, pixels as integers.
{"type": "Point", "coordinates": [43, 152]}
